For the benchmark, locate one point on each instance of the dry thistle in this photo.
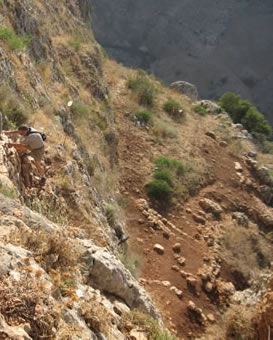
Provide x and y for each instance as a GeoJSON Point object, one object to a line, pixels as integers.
{"type": "Point", "coordinates": [26, 260]}
{"type": "Point", "coordinates": [38, 273]}
{"type": "Point", "coordinates": [29, 269]}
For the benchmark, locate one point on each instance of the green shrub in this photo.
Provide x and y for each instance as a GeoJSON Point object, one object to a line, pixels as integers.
{"type": "Point", "coordinates": [235, 106]}
{"type": "Point", "coordinates": [201, 110]}
{"type": "Point", "coordinates": [254, 121]}
{"type": "Point", "coordinates": [242, 111]}
{"type": "Point", "coordinates": [14, 42]}
{"type": "Point", "coordinates": [166, 178]}
{"type": "Point", "coordinates": [144, 89]}
{"type": "Point", "coordinates": [173, 108]}
{"type": "Point", "coordinates": [163, 175]}
{"type": "Point", "coordinates": [164, 162]}
{"type": "Point", "coordinates": [159, 189]}
{"type": "Point", "coordinates": [143, 116]}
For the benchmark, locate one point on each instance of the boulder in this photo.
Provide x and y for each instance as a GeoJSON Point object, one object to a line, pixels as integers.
{"type": "Point", "coordinates": [199, 219]}
{"type": "Point", "coordinates": [240, 218]}
{"type": "Point", "coordinates": [159, 249]}
{"type": "Point", "coordinates": [225, 289]}
{"type": "Point", "coordinates": [191, 281]}
{"type": "Point", "coordinates": [138, 334]}
{"type": "Point", "coordinates": [266, 193]}
{"type": "Point", "coordinates": [177, 291]}
{"type": "Point", "coordinates": [211, 318]}
{"type": "Point", "coordinates": [107, 273]}
{"type": "Point", "coordinates": [211, 107]}
{"type": "Point", "coordinates": [238, 167]}
{"type": "Point", "coordinates": [177, 247]}
{"type": "Point", "coordinates": [211, 206]}
{"type": "Point", "coordinates": [223, 143]}
{"type": "Point", "coordinates": [181, 261]}
{"type": "Point", "coordinates": [211, 134]}
{"type": "Point", "coordinates": [185, 88]}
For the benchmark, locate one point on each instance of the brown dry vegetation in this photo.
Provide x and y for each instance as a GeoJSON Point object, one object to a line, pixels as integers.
{"type": "Point", "coordinates": [25, 301]}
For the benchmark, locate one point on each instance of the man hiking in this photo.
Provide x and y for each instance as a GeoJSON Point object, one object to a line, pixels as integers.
{"type": "Point", "coordinates": [32, 141]}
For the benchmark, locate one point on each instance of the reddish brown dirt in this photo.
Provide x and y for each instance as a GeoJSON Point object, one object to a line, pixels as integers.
{"type": "Point", "coordinates": [137, 150]}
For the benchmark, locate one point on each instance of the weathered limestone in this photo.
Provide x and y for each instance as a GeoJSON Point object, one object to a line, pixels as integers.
{"type": "Point", "coordinates": [107, 273]}
{"type": "Point", "coordinates": [15, 332]}
{"type": "Point", "coordinates": [159, 249]}
{"type": "Point", "coordinates": [211, 107]}
{"type": "Point", "coordinates": [185, 88]}
{"type": "Point", "coordinates": [211, 206]}
{"type": "Point", "coordinates": [240, 218]}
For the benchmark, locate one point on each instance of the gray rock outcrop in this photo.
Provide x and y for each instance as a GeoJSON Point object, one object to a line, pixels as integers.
{"type": "Point", "coordinates": [107, 273]}
{"type": "Point", "coordinates": [185, 88]}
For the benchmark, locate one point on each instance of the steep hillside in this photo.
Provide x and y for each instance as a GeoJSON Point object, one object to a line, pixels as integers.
{"type": "Point", "coordinates": [206, 239]}
{"type": "Point", "coordinates": [219, 46]}
{"type": "Point", "coordinates": [154, 218]}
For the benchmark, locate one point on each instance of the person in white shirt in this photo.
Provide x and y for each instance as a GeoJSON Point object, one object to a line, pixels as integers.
{"type": "Point", "coordinates": [32, 141]}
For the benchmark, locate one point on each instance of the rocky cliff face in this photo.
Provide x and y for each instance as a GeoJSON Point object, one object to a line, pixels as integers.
{"type": "Point", "coordinates": [36, 84]}
{"type": "Point", "coordinates": [218, 46]}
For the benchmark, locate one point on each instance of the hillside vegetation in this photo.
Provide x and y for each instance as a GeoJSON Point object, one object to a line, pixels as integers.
{"type": "Point", "coordinates": [156, 218]}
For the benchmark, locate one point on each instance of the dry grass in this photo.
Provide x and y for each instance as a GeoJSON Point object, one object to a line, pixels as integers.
{"type": "Point", "coordinates": [237, 148]}
{"type": "Point", "coordinates": [162, 130]}
{"type": "Point", "coordinates": [24, 302]}
{"type": "Point", "coordinates": [244, 250]}
{"type": "Point", "coordinates": [97, 317]}
{"type": "Point", "coordinates": [51, 251]}
{"type": "Point", "coordinates": [239, 323]}
{"type": "Point", "coordinates": [266, 159]}
{"type": "Point", "coordinates": [194, 177]}
{"type": "Point", "coordinates": [44, 69]}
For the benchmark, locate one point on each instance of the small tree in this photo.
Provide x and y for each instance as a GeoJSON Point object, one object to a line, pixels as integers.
{"type": "Point", "coordinates": [242, 111]}
{"type": "Point", "coordinates": [254, 121]}
{"type": "Point", "coordinates": [235, 106]}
